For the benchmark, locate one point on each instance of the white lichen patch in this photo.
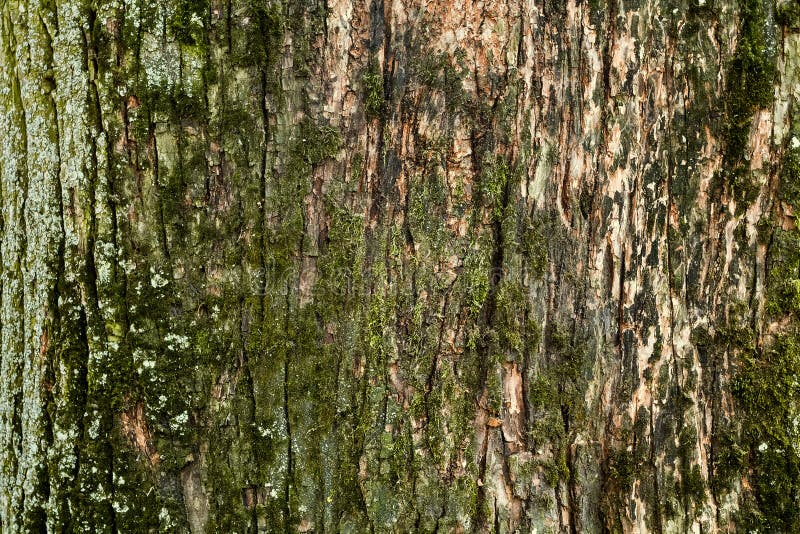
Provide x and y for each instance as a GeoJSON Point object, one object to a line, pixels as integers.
{"type": "Point", "coordinates": [157, 281]}
{"type": "Point", "coordinates": [179, 421]}
{"type": "Point", "coordinates": [176, 341]}
{"type": "Point", "coordinates": [94, 428]}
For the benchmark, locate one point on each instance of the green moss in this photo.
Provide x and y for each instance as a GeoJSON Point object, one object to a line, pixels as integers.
{"type": "Point", "coordinates": [766, 388]}
{"type": "Point", "coordinates": [788, 14]}
{"type": "Point", "coordinates": [493, 183]}
{"type": "Point", "coordinates": [751, 75]}
{"type": "Point", "coordinates": [186, 106]}
{"type": "Point", "coordinates": [444, 73]}
{"type": "Point", "coordinates": [541, 392]}
{"type": "Point", "coordinates": [356, 169]}
{"type": "Point", "coordinates": [623, 470]}
{"type": "Point", "coordinates": [764, 230]}
{"type": "Point", "coordinates": [188, 21]}
{"type": "Point", "coordinates": [264, 43]}
{"type": "Point", "coordinates": [510, 305]}
{"type": "Point", "coordinates": [692, 485]}
{"type": "Point", "coordinates": [373, 93]}
{"type": "Point", "coordinates": [790, 169]}
{"type": "Point", "coordinates": [475, 278]}
{"type": "Point", "coordinates": [730, 458]}
{"type": "Point", "coordinates": [426, 216]}
{"type": "Point", "coordinates": [555, 391]}
{"type": "Point", "coordinates": [597, 11]}
{"type": "Point", "coordinates": [534, 248]}
{"type": "Point", "coordinates": [317, 143]}
{"type": "Point", "coordinates": [784, 265]}
{"type": "Point", "coordinates": [340, 263]}
{"type": "Point", "coordinates": [557, 470]}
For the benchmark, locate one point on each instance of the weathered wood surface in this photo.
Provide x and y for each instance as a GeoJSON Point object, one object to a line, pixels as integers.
{"type": "Point", "coordinates": [399, 266]}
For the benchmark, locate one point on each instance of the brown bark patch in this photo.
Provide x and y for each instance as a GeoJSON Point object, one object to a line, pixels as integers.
{"type": "Point", "coordinates": [44, 344]}
{"type": "Point", "coordinates": [195, 497]}
{"type": "Point", "coordinates": [135, 428]}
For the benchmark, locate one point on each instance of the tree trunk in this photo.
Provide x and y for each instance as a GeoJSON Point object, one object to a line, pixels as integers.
{"type": "Point", "coordinates": [370, 266]}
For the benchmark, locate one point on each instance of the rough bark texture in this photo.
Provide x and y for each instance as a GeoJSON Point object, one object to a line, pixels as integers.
{"type": "Point", "coordinates": [332, 265]}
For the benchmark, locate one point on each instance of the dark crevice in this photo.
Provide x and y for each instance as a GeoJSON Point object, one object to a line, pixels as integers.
{"type": "Point", "coordinates": [162, 225]}
{"type": "Point", "coordinates": [16, 381]}
{"type": "Point", "coordinates": [46, 350]}
{"type": "Point", "coordinates": [480, 494]}
{"type": "Point", "coordinates": [94, 314]}
{"type": "Point", "coordinates": [572, 485]}
{"type": "Point", "coordinates": [288, 482]}
{"type": "Point", "coordinates": [262, 240]}
{"type": "Point", "coordinates": [652, 460]}
{"type": "Point", "coordinates": [289, 452]}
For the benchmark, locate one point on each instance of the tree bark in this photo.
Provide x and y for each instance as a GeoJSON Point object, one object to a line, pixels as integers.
{"type": "Point", "coordinates": [409, 266]}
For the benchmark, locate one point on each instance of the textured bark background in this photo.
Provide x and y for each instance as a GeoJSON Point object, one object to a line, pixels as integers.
{"type": "Point", "coordinates": [350, 266]}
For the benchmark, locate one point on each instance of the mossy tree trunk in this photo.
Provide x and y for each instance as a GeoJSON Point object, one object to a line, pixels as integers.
{"type": "Point", "coordinates": [328, 266]}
